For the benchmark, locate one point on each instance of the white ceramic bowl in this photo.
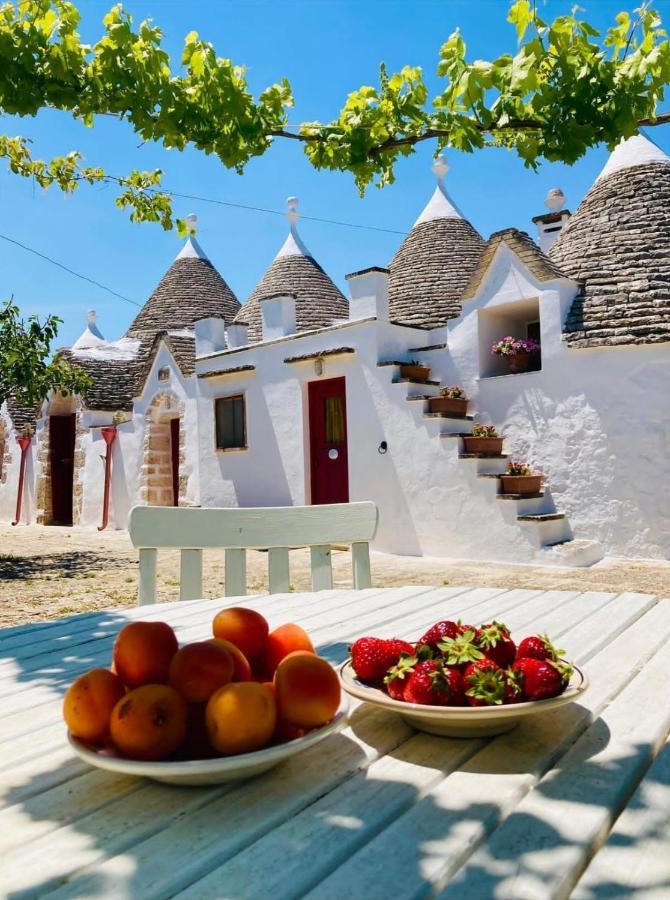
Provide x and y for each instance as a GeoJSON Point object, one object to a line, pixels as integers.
{"type": "Point", "coordinates": [210, 771]}
{"type": "Point", "coordinates": [460, 721]}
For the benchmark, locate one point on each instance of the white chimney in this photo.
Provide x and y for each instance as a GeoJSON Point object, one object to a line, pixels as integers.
{"type": "Point", "coordinates": [550, 225]}
{"type": "Point", "coordinates": [210, 336]}
{"type": "Point", "coordinates": [278, 316]}
{"type": "Point", "coordinates": [369, 291]}
{"type": "Point", "coordinates": [238, 335]}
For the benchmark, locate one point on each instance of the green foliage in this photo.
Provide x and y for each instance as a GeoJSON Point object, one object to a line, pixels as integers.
{"type": "Point", "coordinates": [26, 371]}
{"type": "Point", "coordinates": [566, 88]}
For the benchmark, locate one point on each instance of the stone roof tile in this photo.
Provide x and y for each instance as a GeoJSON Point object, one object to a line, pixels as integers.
{"type": "Point", "coordinates": [617, 244]}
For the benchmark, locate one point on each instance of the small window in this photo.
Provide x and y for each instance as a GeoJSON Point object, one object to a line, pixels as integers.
{"type": "Point", "coordinates": [334, 417]}
{"type": "Point", "coordinates": [231, 426]}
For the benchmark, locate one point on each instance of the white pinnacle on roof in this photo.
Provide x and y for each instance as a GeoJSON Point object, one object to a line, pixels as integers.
{"type": "Point", "coordinates": [293, 245]}
{"type": "Point", "coordinates": [91, 335]}
{"type": "Point", "coordinates": [191, 249]}
{"type": "Point", "coordinates": [638, 150]}
{"type": "Point", "coordinates": [440, 205]}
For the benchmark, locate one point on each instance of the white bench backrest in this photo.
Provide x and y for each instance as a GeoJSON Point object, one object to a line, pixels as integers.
{"type": "Point", "coordinates": [274, 528]}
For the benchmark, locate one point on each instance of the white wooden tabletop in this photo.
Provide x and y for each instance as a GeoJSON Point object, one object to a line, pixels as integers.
{"type": "Point", "coordinates": [572, 803]}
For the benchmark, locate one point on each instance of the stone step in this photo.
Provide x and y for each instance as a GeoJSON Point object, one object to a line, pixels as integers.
{"type": "Point", "coordinates": [412, 381]}
{"type": "Point", "coordinates": [426, 349]}
{"type": "Point", "coordinates": [578, 552]}
{"type": "Point", "coordinates": [442, 415]}
{"type": "Point", "coordinates": [541, 517]}
{"type": "Point", "coordinates": [482, 455]}
{"type": "Point", "coordinates": [518, 496]}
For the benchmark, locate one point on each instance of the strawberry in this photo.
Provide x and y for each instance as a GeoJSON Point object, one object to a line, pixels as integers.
{"type": "Point", "coordinates": [494, 639]}
{"type": "Point", "coordinates": [433, 684]}
{"type": "Point", "coordinates": [542, 678]}
{"type": "Point", "coordinates": [438, 632]}
{"type": "Point", "coordinates": [372, 657]}
{"type": "Point", "coordinates": [461, 650]}
{"type": "Point", "coordinates": [538, 646]}
{"type": "Point", "coordinates": [485, 683]}
{"type": "Point", "coordinates": [397, 676]}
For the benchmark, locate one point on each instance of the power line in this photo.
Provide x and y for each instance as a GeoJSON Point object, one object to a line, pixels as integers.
{"type": "Point", "coordinates": [70, 271]}
{"type": "Point", "coordinates": [274, 212]}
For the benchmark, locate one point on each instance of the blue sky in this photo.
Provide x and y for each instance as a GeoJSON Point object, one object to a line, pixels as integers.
{"type": "Point", "coordinates": [326, 48]}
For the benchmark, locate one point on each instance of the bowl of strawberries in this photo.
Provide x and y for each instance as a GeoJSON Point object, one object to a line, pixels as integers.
{"type": "Point", "coordinates": [460, 680]}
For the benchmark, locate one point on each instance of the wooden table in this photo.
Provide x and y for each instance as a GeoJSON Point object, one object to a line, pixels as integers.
{"type": "Point", "coordinates": [377, 811]}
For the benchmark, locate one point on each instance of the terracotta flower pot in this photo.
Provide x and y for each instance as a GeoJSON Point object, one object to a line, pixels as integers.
{"type": "Point", "coordinates": [521, 484]}
{"type": "Point", "coordinates": [489, 445]}
{"type": "Point", "coordinates": [519, 362]}
{"type": "Point", "coordinates": [415, 373]}
{"type": "Point", "coordinates": [454, 407]}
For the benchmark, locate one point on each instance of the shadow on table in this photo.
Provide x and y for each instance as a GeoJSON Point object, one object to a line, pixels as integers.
{"type": "Point", "coordinates": [54, 653]}
{"type": "Point", "coordinates": [319, 813]}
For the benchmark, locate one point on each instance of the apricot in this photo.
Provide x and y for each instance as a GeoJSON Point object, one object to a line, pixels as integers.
{"type": "Point", "coordinates": [199, 669]}
{"type": "Point", "coordinates": [143, 652]}
{"type": "Point", "coordinates": [88, 704]}
{"type": "Point", "coordinates": [149, 723]}
{"type": "Point", "coordinates": [241, 717]}
{"type": "Point", "coordinates": [308, 690]}
{"type": "Point", "coordinates": [245, 628]}
{"type": "Point", "coordinates": [241, 665]}
{"type": "Point", "coordinates": [282, 641]}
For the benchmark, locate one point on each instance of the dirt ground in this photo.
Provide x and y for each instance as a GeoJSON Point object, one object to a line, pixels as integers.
{"type": "Point", "coordinates": [50, 572]}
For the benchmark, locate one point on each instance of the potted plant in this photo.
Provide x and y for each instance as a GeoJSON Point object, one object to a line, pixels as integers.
{"type": "Point", "coordinates": [484, 439]}
{"type": "Point", "coordinates": [452, 400]}
{"type": "Point", "coordinates": [521, 479]}
{"type": "Point", "coordinates": [517, 352]}
{"type": "Point", "coordinates": [414, 370]}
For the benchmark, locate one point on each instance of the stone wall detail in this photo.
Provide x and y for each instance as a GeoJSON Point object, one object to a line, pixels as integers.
{"type": "Point", "coordinates": [156, 472]}
{"type": "Point", "coordinates": [5, 453]}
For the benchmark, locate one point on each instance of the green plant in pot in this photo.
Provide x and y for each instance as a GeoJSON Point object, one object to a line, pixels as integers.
{"type": "Point", "coordinates": [452, 401]}
{"type": "Point", "coordinates": [520, 478]}
{"type": "Point", "coordinates": [415, 370]}
{"type": "Point", "coordinates": [519, 354]}
{"type": "Point", "coordinates": [485, 440]}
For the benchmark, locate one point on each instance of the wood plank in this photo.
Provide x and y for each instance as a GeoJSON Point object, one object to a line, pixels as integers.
{"type": "Point", "coordinates": [360, 562]}
{"type": "Point", "coordinates": [182, 863]}
{"type": "Point", "coordinates": [542, 849]}
{"type": "Point", "coordinates": [321, 566]}
{"type": "Point", "coordinates": [274, 526]}
{"type": "Point", "coordinates": [190, 575]}
{"type": "Point", "coordinates": [635, 861]}
{"type": "Point", "coordinates": [146, 589]}
{"type": "Point", "coordinates": [236, 573]}
{"type": "Point", "coordinates": [278, 570]}
{"type": "Point", "coordinates": [434, 838]}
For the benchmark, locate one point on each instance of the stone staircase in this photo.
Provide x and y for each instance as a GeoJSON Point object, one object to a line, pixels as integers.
{"type": "Point", "coordinates": [546, 529]}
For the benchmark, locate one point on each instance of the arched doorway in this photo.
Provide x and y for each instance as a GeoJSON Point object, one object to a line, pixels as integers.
{"type": "Point", "coordinates": [162, 481]}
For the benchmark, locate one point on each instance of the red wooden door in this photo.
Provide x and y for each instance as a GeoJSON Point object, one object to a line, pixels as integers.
{"type": "Point", "coordinates": [174, 459]}
{"type": "Point", "coordinates": [329, 460]}
{"type": "Point", "coordinates": [61, 460]}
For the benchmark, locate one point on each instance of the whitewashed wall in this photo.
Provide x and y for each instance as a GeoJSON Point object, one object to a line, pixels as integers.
{"type": "Point", "coordinates": [430, 502]}
{"type": "Point", "coordinates": [597, 422]}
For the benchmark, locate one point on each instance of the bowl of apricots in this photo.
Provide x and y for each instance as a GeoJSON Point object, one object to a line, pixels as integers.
{"type": "Point", "coordinates": [220, 709]}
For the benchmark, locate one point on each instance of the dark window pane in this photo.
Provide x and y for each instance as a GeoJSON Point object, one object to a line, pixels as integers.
{"type": "Point", "coordinates": [334, 420]}
{"type": "Point", "coordinates": [230, 423]}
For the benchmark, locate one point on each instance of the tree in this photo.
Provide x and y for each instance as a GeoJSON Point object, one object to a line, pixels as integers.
{"type": "Point", "coordinates": [26, 371]}
{"type": "Point", "coordinates": [566, 88]}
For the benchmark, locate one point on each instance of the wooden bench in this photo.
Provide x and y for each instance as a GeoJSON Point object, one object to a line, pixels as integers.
{"type": "Point", "coordinates": [276, 529]}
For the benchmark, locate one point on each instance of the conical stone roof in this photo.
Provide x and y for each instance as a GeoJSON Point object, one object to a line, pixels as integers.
{"type": "Point", "coordinates": [618, 245]}
{"type": "Point", "coordinates": [190, 289]}
{"type": "Point", "coordinates": [434, 263]}
{"type": "Point", "coordinates": [319, 303]}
